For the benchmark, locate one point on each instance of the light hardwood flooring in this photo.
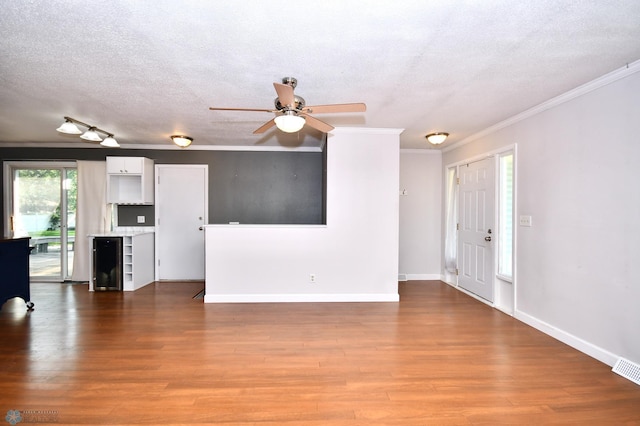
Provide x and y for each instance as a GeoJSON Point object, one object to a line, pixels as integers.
{"type": "Point", "coordinates": [158, 356]}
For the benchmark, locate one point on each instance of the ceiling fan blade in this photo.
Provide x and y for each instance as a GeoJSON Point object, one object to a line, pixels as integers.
{"type": "Point", "coordinates": [321, 109]}
{"type": "Point", "coordinates": [266, 126]}
{"type": "Point", "coordinates": [241, 109]}
{"type": "Point", "coordinates": [285, 94]}
{"type": "Point", "coordinates": [317, 124]}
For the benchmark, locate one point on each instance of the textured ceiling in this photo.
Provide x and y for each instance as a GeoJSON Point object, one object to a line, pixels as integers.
{"type": "Point", "coordinates": [146, 70]}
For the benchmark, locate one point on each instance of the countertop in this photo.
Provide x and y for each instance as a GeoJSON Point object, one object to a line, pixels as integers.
{"type": "Point", "coordinates": [120, 233]}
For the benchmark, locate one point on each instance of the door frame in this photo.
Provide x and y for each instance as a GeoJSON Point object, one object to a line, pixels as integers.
{"type": "Point", "coordinates": [158, 226]}
{"type": "Point", "coordinates": [505, 293]}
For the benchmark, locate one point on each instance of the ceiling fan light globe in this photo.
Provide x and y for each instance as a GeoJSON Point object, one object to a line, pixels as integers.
{"type": "Point", "coordinates": [91, 135]}
{"type": "Point", "coordinates": [289, 122]}
{"type": "Point", "coordinates": [69, 128]}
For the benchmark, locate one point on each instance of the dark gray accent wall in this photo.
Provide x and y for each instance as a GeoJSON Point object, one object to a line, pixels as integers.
{"type": "Point", "coordinates": [128, 215]}
{"type": "Point", "coordinates": [269, 188]}
{"type": "Point", "coordinates": [244, 186]}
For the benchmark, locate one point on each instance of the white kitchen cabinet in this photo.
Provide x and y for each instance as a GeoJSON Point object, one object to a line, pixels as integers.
{"type": "Point", "coordinates": [138, 261]}
{"type": "Point", "coordinates": [129, 180]}
{"type": "Point", "coordinates": [125, 165]}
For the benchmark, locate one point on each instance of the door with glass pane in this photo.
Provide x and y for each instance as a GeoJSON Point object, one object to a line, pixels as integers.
{"type": "Point", "coordinates": [43, 207]}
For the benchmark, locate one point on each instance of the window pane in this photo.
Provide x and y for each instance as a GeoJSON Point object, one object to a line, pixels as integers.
{"type": "Point", "coordinates": [505, 246]}
{"type": "Point", "coordinates": [37, 215]}
{"type": "Point", "coordinates": [70, 187]}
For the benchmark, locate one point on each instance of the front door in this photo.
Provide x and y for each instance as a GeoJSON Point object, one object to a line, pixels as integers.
{"type": "Point", "coordinates": [181, 213]}
{"type": "Point", "coordinates": [476, 228]}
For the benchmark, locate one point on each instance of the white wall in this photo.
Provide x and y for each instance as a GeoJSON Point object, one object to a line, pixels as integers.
{"type": "Point", "coordinates": [420, 214]}
{"type": "Point", "coordinates": [577, 174]}
{"type": "Point", "coordinates": [354, 257]}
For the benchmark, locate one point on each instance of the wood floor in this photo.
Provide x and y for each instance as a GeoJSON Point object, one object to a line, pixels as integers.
{"type": "Point", "coordinates": [159, 356]}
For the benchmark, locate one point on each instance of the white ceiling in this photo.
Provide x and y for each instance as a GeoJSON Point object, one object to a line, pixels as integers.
{"type": "Point", "coordinates": [146, 70]}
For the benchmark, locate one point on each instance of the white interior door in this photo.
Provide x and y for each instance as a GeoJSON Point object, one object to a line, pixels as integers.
{"type": "Point", "coordinates": [181, 212]}
{"type": "Point", "coordinates": [476, 228]}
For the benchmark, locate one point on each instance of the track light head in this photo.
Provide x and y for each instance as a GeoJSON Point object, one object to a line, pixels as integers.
{"type": "Point", "coordinates": [69, 128]}
{"type": "Point", "coordinates": [110, 142]}
{"type": "Point", "coordinates": [91, 135]}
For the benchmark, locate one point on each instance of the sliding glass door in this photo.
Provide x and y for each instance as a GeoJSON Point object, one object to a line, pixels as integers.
{"type": "Point", "coordinates": [42, 206]}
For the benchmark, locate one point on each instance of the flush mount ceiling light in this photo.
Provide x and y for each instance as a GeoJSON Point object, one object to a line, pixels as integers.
{"type": "Point", "coordinates": [289, 122]}
{"type": "Point", "coordinates": [182, 141]}
{"type": "Point", "coordinates": [70, 127]}
{"type": "Point", "coordinates": [437, 138]}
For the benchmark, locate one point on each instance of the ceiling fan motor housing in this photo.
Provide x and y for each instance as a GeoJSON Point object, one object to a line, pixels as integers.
{"type": "Point", "coordinates": [290, 81]}
{"type": "Point", "coordinates": [299, 103]}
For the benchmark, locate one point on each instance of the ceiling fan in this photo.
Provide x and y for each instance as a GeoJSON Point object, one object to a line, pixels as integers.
{"type": "Point", "coordinates": [292, 113]}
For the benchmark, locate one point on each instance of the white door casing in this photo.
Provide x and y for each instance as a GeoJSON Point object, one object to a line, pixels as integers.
{"type": "Point", "coordinates": [181, 213]}
{"type": "Point", "coordinates": [476, 235]}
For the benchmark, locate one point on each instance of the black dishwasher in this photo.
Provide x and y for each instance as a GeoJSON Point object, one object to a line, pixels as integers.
{"type": "Point", "coordinates": [107, 263]}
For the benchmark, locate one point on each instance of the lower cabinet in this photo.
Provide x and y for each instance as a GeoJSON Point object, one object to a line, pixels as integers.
{"type": "Point", "coordinates": [122, 262]}
{"type": "Point", "coordinates": [138, 261]}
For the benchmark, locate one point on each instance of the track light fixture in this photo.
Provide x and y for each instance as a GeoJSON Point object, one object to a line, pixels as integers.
{"type": "Point", "coordinates": [182, 141]}
{"type": "Point", "coordinates": [70, 127]}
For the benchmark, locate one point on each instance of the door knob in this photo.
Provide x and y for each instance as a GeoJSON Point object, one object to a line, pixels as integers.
{"type": "Point", "coordinates": [487, 238]}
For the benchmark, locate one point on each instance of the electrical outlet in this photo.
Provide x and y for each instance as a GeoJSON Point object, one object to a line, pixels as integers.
{"type": "Point", "coordinates": [312, 278]}
{"type": "Point", "coordinates": [525, 220]}
{"type": "Point", "coordinates": [141, 219]}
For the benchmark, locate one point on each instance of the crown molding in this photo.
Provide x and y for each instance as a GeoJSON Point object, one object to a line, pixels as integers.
{"type": "Point", "coordinates": [606, 79]}
{"type": "Point", "coordinates": [192, 147]}
{"type": "Point", "coordinates": [166, 147]}
{"type": "Point", "coordinates": [420, 151]}
{"type": "Point", "coordinates": [367, 130]}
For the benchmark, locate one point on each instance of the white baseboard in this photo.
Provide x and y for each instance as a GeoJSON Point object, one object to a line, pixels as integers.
{"type": "Point", "coordinates": [421, 277]}
{"type": "Point", "coordinates": [294, 298]}
{"type": "Point", "coordinates": [569, 339]}
{"type": "Point", "coordinates": [577, 343]}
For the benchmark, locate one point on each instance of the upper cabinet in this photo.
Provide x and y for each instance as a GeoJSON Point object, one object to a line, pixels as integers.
{"type": "Point", "coordinates": [126, 165]}
{"type": "Point", "coordinates": [129, 180]}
